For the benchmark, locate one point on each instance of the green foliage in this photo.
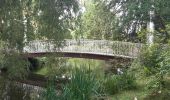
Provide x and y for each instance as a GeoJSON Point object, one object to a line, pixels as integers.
{"type": "Point", "coordinates": [55, 66]}
{"type": "Point", "coordinates": [11, 22]}
{"type": "Point", "coordinates": [127, 81]}
{"type": "Point", "coordinates": [162, 95]}
{"type": "Point", "coordinates": [50, 93]}
{"type": "Point", "coordinates": [142, 35]}
{"type": "Point", "coordinates": [2, 87]}
{"type": "Point", "coordinates": [24, 20]}
{"type": "Point", "coordinates": [165, 59]}
{"type": "Point", "coordinates": [2, 55]}
{"type": "Point", "coordinates": [156, 57]}
{"type": "Point", "coordinates": [149, 57]}
{"type": "Point", "coordinates": [111, 85]}
{"type": "Point", "coordinates": [116, 83]}
{"type": "Point", "coordinates": [153, 84]}
{"type": "Point", "coordinates": [17, 66]}
{"type": "Point", "coordinates": [54, 16]}
{"type": "Point", "coordinates": [83, 85]}
{"type": "Point", "coordinates": [97, 22]}
{"type": "Point", "coordinates": [135, 16]}
{"type": "Point", "coordinates": [155, 61]}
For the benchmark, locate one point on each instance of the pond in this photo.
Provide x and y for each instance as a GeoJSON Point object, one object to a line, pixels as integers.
{"type": "Point", "coordinates": [17, 91]}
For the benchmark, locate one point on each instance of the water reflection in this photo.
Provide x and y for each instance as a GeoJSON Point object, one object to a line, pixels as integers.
{"type": "Point", "coordinates": [17, 91]}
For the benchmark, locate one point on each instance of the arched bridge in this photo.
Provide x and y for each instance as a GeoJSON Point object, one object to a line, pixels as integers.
{"type": "Point", "coordinates": [85, 48]}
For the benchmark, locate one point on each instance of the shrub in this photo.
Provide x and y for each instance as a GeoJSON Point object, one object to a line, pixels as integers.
{"type": "Point", "coordinates": [116, 83]}
{"type": "Point", "coordinates": [156, 62]}
{"type": "Point", "coordinates": [153, 83]}
{"type": "Point", "coordinates": [149, 58]}
{"type": "Point", "coordinates": [17, 67]}
{"type": "Point", "coordinates": [127, 81]}
{"type": "Point", "coordinates": [111, 85]}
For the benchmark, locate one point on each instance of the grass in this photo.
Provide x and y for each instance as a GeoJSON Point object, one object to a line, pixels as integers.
{"type": "Point", "coordinates": [140, 92]}
{"type": "Point", "coordinates": [83, 83]}
{"type": "Point", "coordinates": [129, 95]}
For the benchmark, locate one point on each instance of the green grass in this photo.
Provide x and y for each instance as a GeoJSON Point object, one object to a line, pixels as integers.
{"type": "Point", "coordinates": [141, 93]}
{"type": "Point", "coordinates": [129, 95]}
{"type": "Point", "coordinates": [83, 85]}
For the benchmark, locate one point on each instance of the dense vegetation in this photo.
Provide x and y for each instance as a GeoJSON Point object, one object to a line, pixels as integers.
{"type": "Point", "coordinates": [147, 77]}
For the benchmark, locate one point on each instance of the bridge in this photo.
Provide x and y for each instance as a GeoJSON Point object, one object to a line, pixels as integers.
{"type": "Point", "coordinates": [84, 48]}
{"type": "Point", "coordinates": [95, 49]}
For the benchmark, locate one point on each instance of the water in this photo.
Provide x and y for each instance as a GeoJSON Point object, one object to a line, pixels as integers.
{"type": "Point", "coordinates": [18, 91]}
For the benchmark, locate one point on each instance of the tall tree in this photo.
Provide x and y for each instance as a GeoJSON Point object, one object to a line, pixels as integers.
{"type": "Point", "coordinates": [24, 20]}
{"type": "Point", "coordinates": [134, 15]}
{"type": "Point", "coordinates": [96, 22]}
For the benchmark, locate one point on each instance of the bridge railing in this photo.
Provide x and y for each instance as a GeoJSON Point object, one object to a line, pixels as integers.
{"type": "Point", "coordinates": [103, 47]}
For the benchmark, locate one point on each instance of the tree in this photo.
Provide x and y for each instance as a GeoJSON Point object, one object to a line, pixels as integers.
{"type": "Point", "coordinates": [134, 15]}
{"type": "Point", "coordinates": [156, 64]}
{"type": "Point", "coordinates": [24, 20]}
{"type": "Point", "coordinates": [97, 22]}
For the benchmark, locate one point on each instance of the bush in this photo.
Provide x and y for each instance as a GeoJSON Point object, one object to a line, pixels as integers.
{"type": "Point", "coordinates": [156, 62]}
{"type": "Point", "coordinates": [149, 58]}
{"type": "Point", "coordinates": [111, 84]}
{"type": "Point", "coordinates": [116, 83]}
{"type": "Point", "coordinates": [127, 81]}
{"type": "Point", "coordinates": [153, 83]}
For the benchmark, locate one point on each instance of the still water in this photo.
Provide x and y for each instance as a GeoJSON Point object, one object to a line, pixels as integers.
{"type": "Point", "coordinates": [18, 91]}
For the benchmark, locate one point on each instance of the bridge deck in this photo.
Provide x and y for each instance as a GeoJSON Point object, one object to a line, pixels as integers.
{"type": "Point", "coordinates": [85, 49]}
{"type": "Point", "coordinates": [77, 55]}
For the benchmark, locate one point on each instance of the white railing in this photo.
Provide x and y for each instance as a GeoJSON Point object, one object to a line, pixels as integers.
{"type": "Point", "coordinates": [101, 47]}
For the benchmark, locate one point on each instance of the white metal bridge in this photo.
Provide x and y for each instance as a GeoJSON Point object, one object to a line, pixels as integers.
{"type": "Point", "coordinates": [86, 46]}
